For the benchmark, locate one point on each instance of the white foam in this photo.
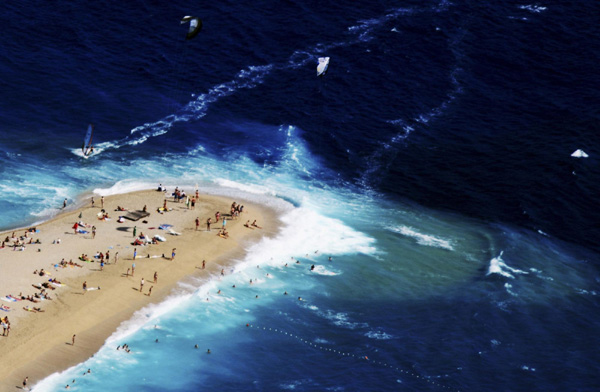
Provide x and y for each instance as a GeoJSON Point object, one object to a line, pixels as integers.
{"type": "Point", "coordinates": [533, 8]}
{"type": "Point", "coordinates": [498, 266]}
{"type": "Point", "coordinates": [508, 288]}
{"type": "Point", "coordinates": [423, 239]}
{"type": "Point", "coordinates": [379, 335]}
{"type": "Point", "coordinates": [305, 231]}
{"type": "Point", "coordinates": [322, 270]}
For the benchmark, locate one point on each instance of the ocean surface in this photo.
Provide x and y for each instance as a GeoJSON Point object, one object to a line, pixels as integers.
{"type": "Point", "coordinates": [427, 176]}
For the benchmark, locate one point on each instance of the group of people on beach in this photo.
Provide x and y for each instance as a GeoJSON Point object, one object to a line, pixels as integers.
{"type": "Point", "coordinates": [19, 242]}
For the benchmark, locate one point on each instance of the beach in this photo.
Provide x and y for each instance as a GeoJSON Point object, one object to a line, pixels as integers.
{"type": "Point", "coordinates": [74, 323]}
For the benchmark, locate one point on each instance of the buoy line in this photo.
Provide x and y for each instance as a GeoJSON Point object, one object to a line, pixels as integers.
{"type": "Point", "coordinates": [358, 357]}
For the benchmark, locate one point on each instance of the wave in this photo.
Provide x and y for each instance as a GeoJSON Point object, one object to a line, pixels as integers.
{"type": "Point", "coordinates": [423, 239]}
{"type": "Point", "coordinates": [498, 266]}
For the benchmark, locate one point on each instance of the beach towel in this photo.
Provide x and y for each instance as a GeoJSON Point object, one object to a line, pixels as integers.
{"type": "Point", "coordinates": [5, 308]}
{"type": "Point", "coordinates": [159, 238]}
{"type": "Point", "coordinates": [8, 299]}
{"type": "Point", "coordinates": [165, 226]}
{"type": "Point", "coordinates": [81, 231]}
{"type": "Point", "coordinates": [173, 232]}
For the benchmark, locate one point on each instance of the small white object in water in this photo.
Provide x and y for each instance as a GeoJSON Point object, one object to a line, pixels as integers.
{"type": "Point", "coordinates": [323, 65]}
{"type": "Point", "coordinates": [579, 154]}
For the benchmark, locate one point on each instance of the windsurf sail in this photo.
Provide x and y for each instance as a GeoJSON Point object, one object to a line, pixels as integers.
{"type": "Point", "coordinates": [195, 26]}
{"type": "Point", "coordinates": [323, 65]}
{"type": "Point", "coordinates": [579, 154]}
{"type": "Point", "coordinates": [87, 148]}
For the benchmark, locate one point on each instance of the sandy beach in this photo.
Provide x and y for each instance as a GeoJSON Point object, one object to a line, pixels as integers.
{"type": "Point", "coordinates": [41, 342]}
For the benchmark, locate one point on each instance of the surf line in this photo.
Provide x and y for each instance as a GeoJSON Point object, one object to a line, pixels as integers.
{"type": "Point", "coordinates": [359, 357]}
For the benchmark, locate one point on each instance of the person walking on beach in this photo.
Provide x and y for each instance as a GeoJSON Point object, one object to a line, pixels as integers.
{"type": "Point", "coordinates": [116, 257]}
{"type": "Point", "coordinates": [134, 253]}
{"type": "Point", "coordinates": [93, 232]}
{"type": "Point", "coordinates": [155, 276]}
{"type": "Point", "coordinates": [224, 222]}
{"type": "Point", "coordinates": [92, 202]}
{"type": "Point", "coordinates": [102, 201]}
{"type": "Point", "coordinates": [73, 340]}
{"type": "Point", "coordinates": [25, 382]}
{"type": "Point", "coordinates": [173, 254]}
{"type": "Point", "coordinates": [197, 223]}
{"type": "Point", "coordinates": [208, 221]}
{"type": "Point", "coordinates": [150, 290]}
{"type": "Point", "coordinates": [65, 204]}
{"type": "Point", "coordinates": [134, 231]}
{"type": "Point", "coordinates": [84, 286]}
{"type": "Point", "coordinates": [217, 215]}
{"type": "Point", "coordinates": [203, 264]}
{"type": "Point", "coordinates": [132, 269]}
{"type": "Point", "coordinates": [141, 284]}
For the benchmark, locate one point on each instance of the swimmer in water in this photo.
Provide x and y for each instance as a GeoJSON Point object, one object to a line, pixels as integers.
{"type": "Point", "coordinates": [312, 267]}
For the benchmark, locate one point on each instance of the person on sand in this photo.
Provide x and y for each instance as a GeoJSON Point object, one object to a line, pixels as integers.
{"type": "Point", "coordinates": [247, 224]}
{"type": "Point", "coordinates": [197, 223]}
{"type": "Point", "coordinates": [217, 216]}
{"type": "Point", "coordinates": [141, 284]}
{"type": "Point", "coordinates": [254, 224]}
{"type": "Point", "coordinates": [92, 202]}
{"type": "Point", "coordinates": [73, 340]}
{"type": "Point", "coordinates": [173, 254]}
{"type": "Point", "coordinates": [65, 204]}
{"type": "Point", "coordinates": [93, 232]}
{"type": "Point", "coordinates": [150, 290]}
{"type": "Point", "coordinates": [75, 227]}
{"type": "Point", "coordinates": [134, 231]}
{"type": "Point", "coordinates": [134, 253]}
{"type": "Point", "coordinates": [132, 269]}
{"type": "Point", "coordinates": [102, 201]}
{"type": "Point", "coordinates": [203, 264]}
{"type": "Point", "coordinates": [116, 257]}
{"type": "Point", "coordinates": [27, 378]}
{"type": "Point", "coordinates": [84, 286]}
{"type": "Point", "coordinates": [155, 276]}
{"type": "Point", "coordinates": [208, 221]}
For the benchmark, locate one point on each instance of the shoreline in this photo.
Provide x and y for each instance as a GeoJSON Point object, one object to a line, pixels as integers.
{"type": "Point", "coordinates": [40, 342]}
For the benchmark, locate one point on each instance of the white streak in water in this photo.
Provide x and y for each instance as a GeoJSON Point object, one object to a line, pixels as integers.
{"type": "Point", "coordinates": [423, 239]}
{"type": "Point", "coordinates": [498, 266]}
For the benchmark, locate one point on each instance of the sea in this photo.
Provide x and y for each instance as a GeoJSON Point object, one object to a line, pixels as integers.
{"type": "Point", "coordinates": [427, 177]}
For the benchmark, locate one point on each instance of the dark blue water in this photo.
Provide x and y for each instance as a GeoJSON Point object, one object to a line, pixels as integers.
{"type": "Point", "coordinates": [468, 109]}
